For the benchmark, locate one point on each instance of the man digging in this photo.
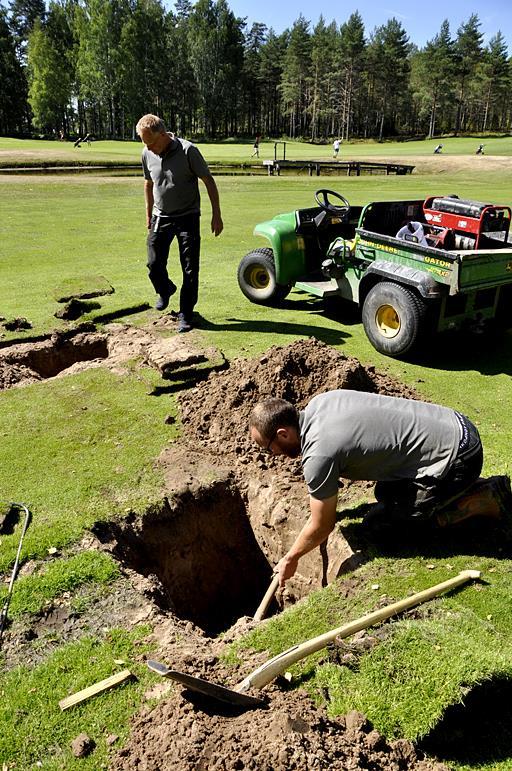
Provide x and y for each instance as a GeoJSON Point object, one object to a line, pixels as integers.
{"type": "Point", "coordinates": [172, 167]}
{"type": "Point", "coordinates": [421, 456]}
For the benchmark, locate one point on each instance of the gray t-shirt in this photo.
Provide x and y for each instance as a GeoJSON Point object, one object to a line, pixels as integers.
{"type": "Point", "coordinates": [357, 435]}
{"type": "Point", "coordinates": [174, 177]}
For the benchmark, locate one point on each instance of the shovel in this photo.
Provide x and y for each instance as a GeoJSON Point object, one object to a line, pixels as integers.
{"type": "Point", "coordinates": [264, 674]}
{"type": "Point", "coordinates": [267, 598]}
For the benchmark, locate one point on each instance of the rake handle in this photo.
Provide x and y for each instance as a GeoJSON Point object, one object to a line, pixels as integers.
{"type": "Point", "coordinates": [275, 666]}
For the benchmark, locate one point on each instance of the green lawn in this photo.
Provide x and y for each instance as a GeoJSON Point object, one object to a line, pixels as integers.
{"type": "Point", "coordinates": [81, 448]}
{"type": "Point", "coordinates": [18, 151]}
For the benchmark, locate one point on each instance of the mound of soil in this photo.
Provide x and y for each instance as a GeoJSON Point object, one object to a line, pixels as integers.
{"type": "Point", "coordinates": [292, 735]}
{"type": "Point", "coordinates": [217, 411]}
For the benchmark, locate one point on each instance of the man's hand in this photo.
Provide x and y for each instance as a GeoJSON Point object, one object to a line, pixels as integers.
{"type": "Point", "coordinates": [148, 221]}
{"type": "Point", "coordinates": [217, 224]}
{"type": "Point", "coordinates": [286, 568]}
{"type": "Point", "coordinates": [213, 193]}
{"type": "Point", "coordinates": [321, 522]}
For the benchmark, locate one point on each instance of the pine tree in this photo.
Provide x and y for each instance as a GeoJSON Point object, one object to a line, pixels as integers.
{"type": "Point", "coordinates": [432, 79]}
{"type": "Point", "coordinates": [468, 54]}
{"type": "Point", "coordinates": [350, 67]}
{"type": "Point", "coordinates": [296, 77]}
{"type": "Point", "coordinates": [323, 77]}
{"type": "Point", "coordinates": [388, 77]}
{"type": "Point", "coordinates": [50, 71]}
{"type": "Point", "coordinates": [270, 74]}
{"type": "Point", "coordinates": [495, 84]}
{"type": "Point", "coordinates": [13, 89]}
{"type": "Point", "coordinates": [216, 55]}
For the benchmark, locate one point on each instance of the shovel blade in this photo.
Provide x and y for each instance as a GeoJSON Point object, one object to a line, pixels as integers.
{"type": "Point", "coordinates": [213, 690]}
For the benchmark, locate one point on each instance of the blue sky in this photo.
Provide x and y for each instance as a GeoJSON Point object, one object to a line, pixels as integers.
{"type": "Point", "coordinates": [421, 20]}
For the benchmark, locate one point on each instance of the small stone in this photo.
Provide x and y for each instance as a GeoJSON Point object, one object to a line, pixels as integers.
{"type": "Point", "coordinates": [356, 721]}
{"type": "Point", "coordinates": [298, 725]}
{"type": "Point", "coordinates": [82, 746]}
{"type": "Point", "coordinates": [373, 739]}
{"type": "Point", "coordinates": [111, 739]}
{"type": "Point", "coordinates": [169, 420]}
{"type": "Point", "coordinates": [404, 750]}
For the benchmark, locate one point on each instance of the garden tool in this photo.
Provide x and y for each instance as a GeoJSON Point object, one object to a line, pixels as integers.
{"type": "Point", "coordinates": [5, 606]}
{"type": "Point", "coordinates": [265, 673]}
{"type": "Point", "coordinates": [267, 598]}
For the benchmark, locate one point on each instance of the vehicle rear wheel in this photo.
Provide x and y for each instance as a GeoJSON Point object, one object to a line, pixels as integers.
{"type": "Point", "coordinates": [257, 278]}
{"type": "Point", "coordinates": [393, 318]}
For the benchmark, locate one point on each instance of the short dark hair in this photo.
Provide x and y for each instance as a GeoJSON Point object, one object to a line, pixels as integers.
{"type": "Point", "coordinates": [271, 414]}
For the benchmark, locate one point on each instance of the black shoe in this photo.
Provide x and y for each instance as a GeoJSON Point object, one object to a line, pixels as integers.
{"type": "Point", "coordinates": [162, 301]}
{"type": "Point", "coordinates": [184, 324]}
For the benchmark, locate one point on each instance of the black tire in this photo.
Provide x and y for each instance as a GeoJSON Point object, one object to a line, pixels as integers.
{"type": "Point", "coordinates": [393, 318]}
{"type": "Point", "coordinates": [257, 278]}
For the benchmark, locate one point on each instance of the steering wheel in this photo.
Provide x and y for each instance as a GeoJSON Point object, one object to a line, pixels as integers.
{"type": "Point", "coordinates": [322, 198]}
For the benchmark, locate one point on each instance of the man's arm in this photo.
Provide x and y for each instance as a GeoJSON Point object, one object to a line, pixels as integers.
{"type": "Point", "coordinates": [213, 193]}
{"type": "Point", "coordinates": [316, 530]}
{"type": "Point", "coordinates": [148, 196]}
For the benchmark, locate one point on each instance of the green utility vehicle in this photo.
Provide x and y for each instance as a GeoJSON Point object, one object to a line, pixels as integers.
{"type": "Point", "coordinates": [411, 266]}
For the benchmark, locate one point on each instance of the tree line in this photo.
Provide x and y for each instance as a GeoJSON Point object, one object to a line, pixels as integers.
{"type": "Point", "coordinates": [95, 66]}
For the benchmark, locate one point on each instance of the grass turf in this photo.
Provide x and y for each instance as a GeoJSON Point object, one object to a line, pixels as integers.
{"type": "Point", "coordinates": [82, 427]}
{"type": "Point", "coordinates": [37, 734]}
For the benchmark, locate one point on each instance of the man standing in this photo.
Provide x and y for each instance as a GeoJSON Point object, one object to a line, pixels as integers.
{"type": "Point", "coordinates": [422, 456]}
{"type": "Point", "coordinates": [335, 148]}
{"type": "Point", "coordinates": [172, 167]}
{"type": "Point", "coordinates": [256, 147]}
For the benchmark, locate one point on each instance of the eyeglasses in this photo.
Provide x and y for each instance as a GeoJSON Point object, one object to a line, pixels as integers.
{"type": "Point", "coordinates": [269, 443]}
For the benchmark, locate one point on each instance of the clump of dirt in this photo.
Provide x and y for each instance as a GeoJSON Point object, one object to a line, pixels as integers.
{"type": "Point", "coordinates": [17, 325]}
{"type": "Point", "coordinates": [292, 735]}
{"type": "Point", "coordinates": [13, 373]}
{"type": "Point", "coordinates": [75, 308]}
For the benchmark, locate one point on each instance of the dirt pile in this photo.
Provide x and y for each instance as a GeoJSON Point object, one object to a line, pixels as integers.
{"type": "Point", "coordinates": [217, 411]}
{"type": "Point", "coordinates": [292, 735]}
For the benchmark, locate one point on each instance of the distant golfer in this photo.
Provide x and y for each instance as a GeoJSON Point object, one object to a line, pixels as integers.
{"type": "Point", "coordinates": [438, 149]}
{"type": "Point", "coordinates": [256, 147]}
{"type": "Point", "coordinates": [335, 148]}
{"type": "Point", "coordinates": [480, 150]}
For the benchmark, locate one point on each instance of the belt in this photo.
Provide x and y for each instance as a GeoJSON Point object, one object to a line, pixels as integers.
{"type": "Point", "coordinates": [467, 431]}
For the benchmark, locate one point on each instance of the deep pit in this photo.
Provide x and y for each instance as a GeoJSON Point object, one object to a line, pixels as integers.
{"type": "Point", "coordinates": [204, 561]}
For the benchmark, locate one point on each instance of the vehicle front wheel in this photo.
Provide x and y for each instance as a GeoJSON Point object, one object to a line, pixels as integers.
{"type": "Point", "coordinates": [257, 278]}
{"type": "Point", "coordinates": [393, 318]}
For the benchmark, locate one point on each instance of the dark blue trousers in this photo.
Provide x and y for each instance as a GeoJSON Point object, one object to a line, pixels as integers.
{"type": "Point", "coordinates": [187, 232]}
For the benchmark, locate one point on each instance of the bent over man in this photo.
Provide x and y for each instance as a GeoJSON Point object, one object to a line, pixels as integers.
{"type": "Point", "coordinates": [172, 167]}
{"type": "Point", "coordinates": [422, 456]}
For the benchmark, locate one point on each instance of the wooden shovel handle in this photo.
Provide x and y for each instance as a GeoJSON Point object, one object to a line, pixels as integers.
{"type": "Point", "coordinates": [275, 666]}
{"type": "Point", "coordinates": [262, 607]}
